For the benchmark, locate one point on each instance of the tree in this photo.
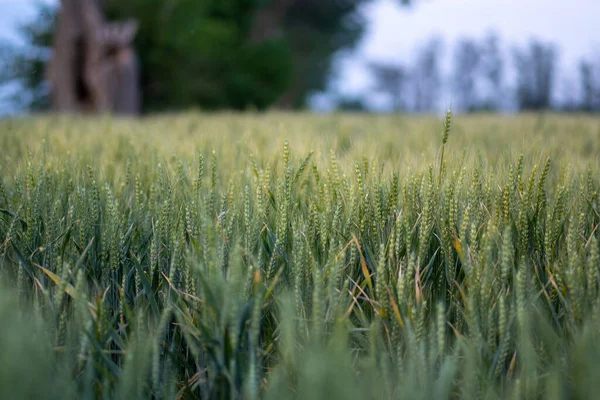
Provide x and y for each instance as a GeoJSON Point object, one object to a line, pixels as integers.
{"type": "Point", "coordinates": [224, 54]}
{"type": "Point", "coordinates": [492, 66]}
{"type": "Point", "coordinates": [425, 76]}
{"type": "Point", "coordinates": [351, 104]}
{"type": "Point", "coordinates": [568, 95]}
{"type": "Point", "coordinates": [390, 79]}
{"type": "Point", "coordinates": [589, 75]}
{"type": "Point", "coordinates": [205, 53]}
{"type": "Point", "coordinates": [467, 57]}
{"type": "Point", "coordinates": [93, 66]}
{"type": "Point", "coordinates": [536, 68]}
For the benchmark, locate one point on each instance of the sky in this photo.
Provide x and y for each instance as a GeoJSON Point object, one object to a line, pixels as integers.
{"type": "Point", "coordinates": [393, 32]}
{"type": "Point", "coordinates": [12, 12]}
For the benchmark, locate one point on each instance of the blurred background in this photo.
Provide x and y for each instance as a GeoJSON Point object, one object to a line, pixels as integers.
{"type": "Point", "coordinates": [419, 56]}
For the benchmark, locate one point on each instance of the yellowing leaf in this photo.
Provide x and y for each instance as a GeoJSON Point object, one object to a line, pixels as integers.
{"type": "Point", "coordinates": [458, 246]}
{"type": "Point", "coordinates": [363, 265]}
{"type": "Point", "coordinates": [396, 310]}
{"type": "Point", "coordinates": [69, 289]}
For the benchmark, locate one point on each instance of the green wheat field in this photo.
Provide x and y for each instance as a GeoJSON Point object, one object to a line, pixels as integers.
{"type": "Point", "coordinates": [297, 256]}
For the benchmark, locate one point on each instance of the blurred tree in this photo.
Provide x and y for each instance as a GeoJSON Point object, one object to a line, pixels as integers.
{"type": "Point", "coordinates": [536, 67]}
{"type": "Point", "coordinates": [352, 104]}
{"type": "Point", "coordinates": [216, 53]}
{"type": "Point", "coordinates": [390, 79]}
{"type": "Point", "coordinates": [492, 65]}
{"type": "Point", "coordinates": [426, 77]}
{"type": "Point", "coordinates": [569, 97]}
{"type": "Point", "coordinates": [205, 53]}
{"type": "Point", "coordinates": [316, 31]}
{"type": "Point", "coordinates": [93, 66]}
{"type": "Point", "coordinates": [467, 58]}
{"type": "Point", "coordinates": [589, 75]}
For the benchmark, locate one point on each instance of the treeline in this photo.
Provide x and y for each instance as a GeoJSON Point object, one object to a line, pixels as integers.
{"type": "Point", "coordinates": [483, 75]}
{"type": "Point", "coordinates": [259, 54]}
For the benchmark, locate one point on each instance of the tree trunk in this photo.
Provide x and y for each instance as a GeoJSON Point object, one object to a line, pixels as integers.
{"type": "Point", "coordinates": [93, 66]}
{"type": "Point", "coordinates": [61, 69]}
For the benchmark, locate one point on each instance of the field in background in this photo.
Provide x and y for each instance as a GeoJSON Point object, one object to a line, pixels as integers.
{"type": "Point", "coordinates": [396, 141]}
{"type": "Point", "coordinates": [300, 256]}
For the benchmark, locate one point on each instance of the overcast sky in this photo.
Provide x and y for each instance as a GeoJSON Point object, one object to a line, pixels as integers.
{"type": "Point", "coordinates": [394, 32]}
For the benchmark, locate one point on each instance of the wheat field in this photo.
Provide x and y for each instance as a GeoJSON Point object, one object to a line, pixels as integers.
{"type": "Point", "coordinates": [275, 256]}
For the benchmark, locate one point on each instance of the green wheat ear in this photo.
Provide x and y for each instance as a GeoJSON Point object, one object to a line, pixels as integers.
{"type": "Point", "coordinates": [445, 135]}
{"type": "Point", "coordinates": [447, 123]}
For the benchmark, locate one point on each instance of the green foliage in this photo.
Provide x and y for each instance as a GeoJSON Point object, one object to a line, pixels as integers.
{"type": "Point", "coordinates": [316, 30]}
{"type": "Point", "coordinates": [145, 265]}
{"type": "Point", "coordinates": [200, 53]}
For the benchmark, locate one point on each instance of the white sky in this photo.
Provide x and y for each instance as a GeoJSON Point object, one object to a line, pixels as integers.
{"type": "Point", "coordinates": [394, 32]}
